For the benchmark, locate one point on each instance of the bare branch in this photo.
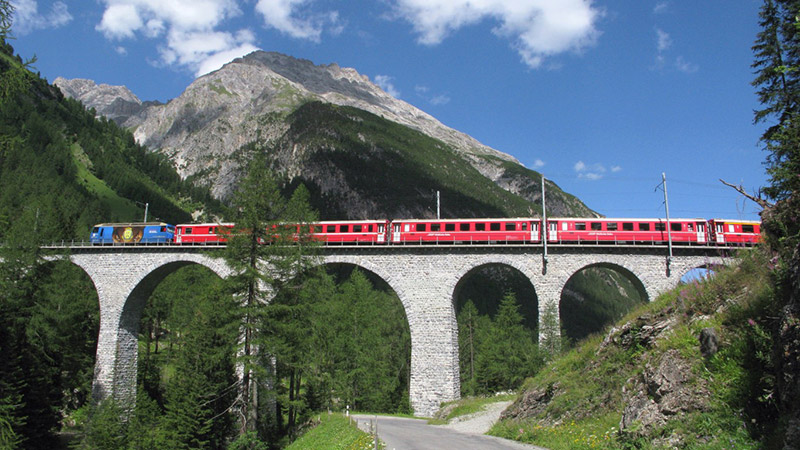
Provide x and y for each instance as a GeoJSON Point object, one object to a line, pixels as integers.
{"type": "Point", "coordinates": [757, 199]}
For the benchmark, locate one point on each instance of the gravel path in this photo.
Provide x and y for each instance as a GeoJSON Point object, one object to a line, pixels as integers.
{"type": "Point", "coordinates": [479, 422]}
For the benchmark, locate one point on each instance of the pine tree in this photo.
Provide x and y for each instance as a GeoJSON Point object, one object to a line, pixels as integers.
{"type": "Point", "coordinates": [267, 249]}
{"type": "Point", "coordinates": [777, 64]}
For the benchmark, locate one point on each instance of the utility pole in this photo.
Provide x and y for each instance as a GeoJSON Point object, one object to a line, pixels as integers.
{"type": "Point", "coordinates": [438, 204]}
{"type": "Point", "coordinates": [669, 226]}
{"type": "Point", "coordinates": [146, 206]}
{"type": "Point", "coordinates": [543, 232]}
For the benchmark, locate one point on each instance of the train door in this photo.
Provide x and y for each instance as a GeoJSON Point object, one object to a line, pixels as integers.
{"type": "Point", "coordinates": [381, 232]}
{"type": "Point", "coordinates": [552, 231]}
{"type": "Point", "coordinates": [720, 229]}
{"type": "Point", "coordinates": [396, 232]}
{"type": "Point", "coordinates": [701, 232]}
{"type": "Point", "coordinates": [534, 231]}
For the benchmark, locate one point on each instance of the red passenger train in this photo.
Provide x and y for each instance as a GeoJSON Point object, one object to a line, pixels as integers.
{"type": "Point", "coordinates": [501, 230]}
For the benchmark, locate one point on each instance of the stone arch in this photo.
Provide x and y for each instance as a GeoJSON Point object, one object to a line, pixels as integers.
{"type": "Point", "coordinates": [123, 294]}
{"type": "Point", "coordinates": [423, 389]}
{"type": "Point", "coordinates": [529, 309]}
{"type": "Point", "coordinates": [581, 313]}
{"type": "Point", "coordinates": [699, 265]}
{"type": "Point", "coordinates": [630, 274]}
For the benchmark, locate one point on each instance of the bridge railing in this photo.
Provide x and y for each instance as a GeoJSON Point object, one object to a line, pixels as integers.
{"type": "Point", "coordinates": [80, 243]}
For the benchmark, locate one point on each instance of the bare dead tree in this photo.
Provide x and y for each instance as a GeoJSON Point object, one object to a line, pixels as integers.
{"type": "Point", "coordinates": [755, 198]}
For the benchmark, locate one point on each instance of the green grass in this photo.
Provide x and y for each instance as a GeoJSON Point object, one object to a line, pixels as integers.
{"type": "Point", "coordinates": [120, 207]}
{"type": "Point", "coordinates": [587, 382]}
{"type": "Point", "coordinates": [334, 432]}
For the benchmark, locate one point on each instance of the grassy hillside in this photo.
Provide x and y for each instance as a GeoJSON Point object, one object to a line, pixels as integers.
{"type": "Point", "coordinates": [650, 383]}
{"type": "Point", "coordinates": [61, 170]}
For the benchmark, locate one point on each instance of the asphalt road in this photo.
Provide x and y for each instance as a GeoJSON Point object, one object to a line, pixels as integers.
{"type": "Point", "coordinates": [415, 434]}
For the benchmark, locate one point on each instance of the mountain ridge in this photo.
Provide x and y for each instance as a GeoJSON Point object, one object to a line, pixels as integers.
{"type": "Point", "coordinates": [246, 105]}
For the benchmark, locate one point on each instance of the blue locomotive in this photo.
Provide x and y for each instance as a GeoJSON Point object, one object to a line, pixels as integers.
{"type": "Point", "coordinates": [132, 233]}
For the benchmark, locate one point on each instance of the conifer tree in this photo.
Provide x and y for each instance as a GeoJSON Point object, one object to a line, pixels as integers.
{"type": "Point", "coordinates": [267, 249]}
{"type": "Point", "coordinates": [777, 64]}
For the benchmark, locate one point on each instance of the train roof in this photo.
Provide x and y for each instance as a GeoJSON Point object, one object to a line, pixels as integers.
{"type": "Point", "coordinates": [206, 224]}
{"type": "Point", "coordinates": [628, 219]}
{"type": "Point", "coordinates": [331, 222]}
{"type": "Point", "coordinates": [133, 224]}
{"type": "Point", "coordinates": [473, 219]}
{"type": "Point", "coordinates": [737, 221]}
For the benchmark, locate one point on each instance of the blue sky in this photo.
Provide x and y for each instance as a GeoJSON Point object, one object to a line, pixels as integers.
{"type": "Point", "coordinates": [600, 96]}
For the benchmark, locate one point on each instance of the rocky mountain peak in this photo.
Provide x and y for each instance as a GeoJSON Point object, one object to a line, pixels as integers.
{"type": "Point", "coordinates": [117, 103]}
{"type": "Point", "coordinates": [248, 103]}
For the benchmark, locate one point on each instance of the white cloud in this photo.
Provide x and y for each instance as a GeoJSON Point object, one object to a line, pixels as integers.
{"type": "Point", "coordinates": [189, 29]}
{"type": "Point", "coordinates": [433, 99]}
{"type": "Point", "coordinates": [27, 17]}
{"type": "Point", "coordinates": [661, 7]}
{"type": "Point", "coordinates": [537, 29]}
{"type": "Point", "coordinates": [288, 17]}
{"type": "Point", "coordinates": [538, 164]}
{"type": "Point", "coordinates": [686, 66]}
{"type": "Point", "coordinates": [615, 169]}
{"type": "Point", "coordinates": [664, 41]}
{"type": "Point", "coordinates": [441, 99]}
{"type": "Point", "coordinates": [592, 172]}
{"type": "Point", "coordinates": [385, 83]}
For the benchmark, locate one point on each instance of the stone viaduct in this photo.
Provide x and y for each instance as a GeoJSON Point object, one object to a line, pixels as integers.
{"type": "Point", "coordinates": [423, 277]}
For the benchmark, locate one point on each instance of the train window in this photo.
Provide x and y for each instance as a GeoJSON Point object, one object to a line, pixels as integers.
{"type": "Point", "coordinates": [436, 227]}
{"type": "Point", "coordinates": [612, 226]}
{"type": "Point", "coordinates": [511, 226]}
{"type": "Point", "coordinates": [596, 226]}
{"type": "Point", "coordinates": [463, 227]}
{"type": "Point", "coordinates": [748, 229]}
{"type": "Point", "coordinates": [357, 228]}
{"type": "Point", "coordinates": [330, 229]}
{"type": "Point", "coordinates": [627, 226]}
{"type": "Point", "coordinates": [676, 226]}
{"type": "Point", "coordinates": [480, 227]}
{"type": "Point", "coordinates": [494, 226]}
{"type": "Point", "coordinates": [690, 227]}
{"type": "Point", "coordinates": [524, 226]}
{"type": "Point", "coordinates": [344, 228]}
{"type": "Point", "coordinates": [660, 227]}
{"type": "Point", "coordinates": [449, 227]}
{"type": "Point", "coordinates": [644, 227]}
{"type": "Point", "coordinates": [580, 226]}
{"type": "Point", "coordinates": [188, 230]}
{"type": "Point", "coordinates": [422, 227]}
{"type": "Point", "coordinates": [317, 228]}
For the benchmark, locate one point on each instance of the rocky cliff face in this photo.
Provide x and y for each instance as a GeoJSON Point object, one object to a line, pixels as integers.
{"type": "Point", "coordinates": [246, 106]}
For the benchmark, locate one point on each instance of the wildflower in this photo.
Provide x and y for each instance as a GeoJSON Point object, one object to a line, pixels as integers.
{"type": "Point", "coordinates": [751, 322]}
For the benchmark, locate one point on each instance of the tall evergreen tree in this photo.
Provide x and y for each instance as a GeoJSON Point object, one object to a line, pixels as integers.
{"type": "Point", "coordinates": [777, 64]}
{"type": "Point", "coordinates": [267, 249]}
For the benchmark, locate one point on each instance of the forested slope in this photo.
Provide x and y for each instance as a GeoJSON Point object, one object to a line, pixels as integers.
{"type": "Point", "coordinates": [61, 170]}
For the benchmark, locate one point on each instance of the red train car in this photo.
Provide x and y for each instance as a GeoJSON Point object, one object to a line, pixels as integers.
{"type": "Point", "coordinates": [741, 232]}
{"type": "Point", "coordinates": [351, 231]}
{"type": "Point", "coordinates": [201, 233]}
{"type": "Point", "coordinates": [433, 231]}
{"type": "Point", "coordinates": [603, 231]}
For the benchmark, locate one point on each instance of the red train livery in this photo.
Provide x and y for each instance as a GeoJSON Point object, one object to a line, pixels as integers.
{"type": "Point", "coordinates": [500, 230]}
{"type": "Point", "coordinates": [622, 231]}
